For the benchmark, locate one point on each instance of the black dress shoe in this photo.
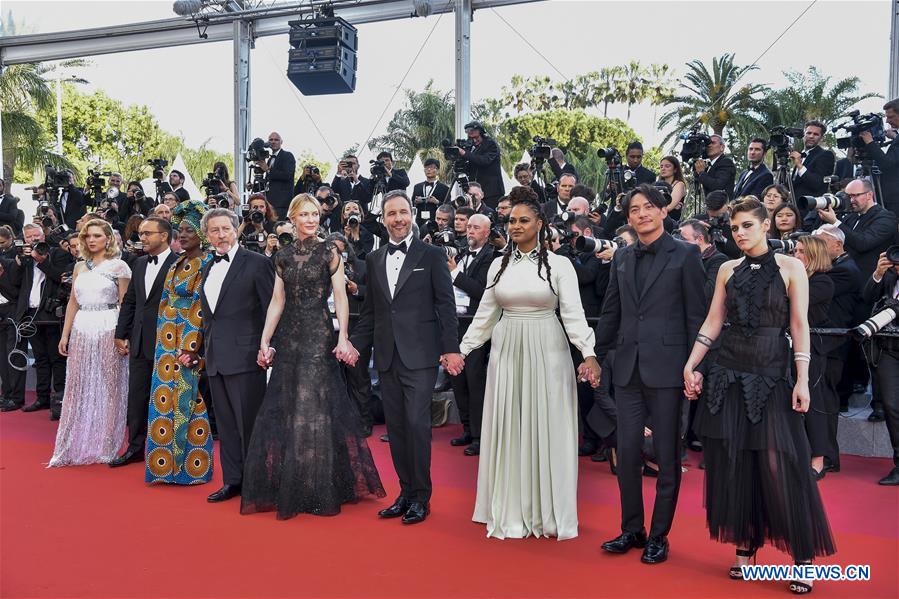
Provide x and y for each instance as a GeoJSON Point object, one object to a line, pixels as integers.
{"type": "Point", "coordinates": [461, 441]}
{"type": "Point", "coordinates": [818, 475]}
{"type": "Point", "coordinates": [38, 405]}
{"type": "Point", "coordinates": [650, 472]}
{"type": "Point", "coordinates": [891, 479]}
{"type": "Point", "coordinates": [396, 510]}
{"type": "Point", "coordinates": [656, 550]}
{"type": "Point", "coordinates": [224, 494]}
{"type": "Point", "coordinates": [416, 513]}
{"type": "Point", "coordinates": [876, 416]}
{"type": "Point", "coordinates": [625, 541]}
{"type": "Point", "coordinates": [588, 447]}
{"type": "Point", "coordinates": [474, 448]}
{"type": "Point", "coordinates": [8, 405]}
{"type": "Point", "coordinates": [132, 456]}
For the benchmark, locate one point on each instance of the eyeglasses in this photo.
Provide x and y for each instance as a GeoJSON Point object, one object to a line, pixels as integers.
{"type": "Point", "coordinates": [855, 195]}
{"type": "Point", "coordinates": [148, 233]}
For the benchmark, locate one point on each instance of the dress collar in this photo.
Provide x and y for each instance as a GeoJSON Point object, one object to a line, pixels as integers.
{"type": "Point", "coordinates": [533, 255]}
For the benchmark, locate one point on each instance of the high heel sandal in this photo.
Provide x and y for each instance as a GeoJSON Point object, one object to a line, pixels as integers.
{"type": "Point", "coordinates": [801, 586]}
{"type": "Point", "coordinates": [736, 572]}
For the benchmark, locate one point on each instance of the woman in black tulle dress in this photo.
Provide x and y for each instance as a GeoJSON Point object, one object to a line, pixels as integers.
{"type": "Point", "coordinates": [758, 484]}
{"type": "Point", "coordinates": [308, 453]}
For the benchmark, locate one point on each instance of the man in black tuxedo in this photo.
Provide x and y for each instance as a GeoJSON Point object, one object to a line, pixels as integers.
{"type": "Point", "coordinates": [812, 164]}
{"type": "Point", "coordinates": [280, 169]}
{"type": "Point", "coordinates": [176, 182]}
{"type": "Point", "coordinates": [558, 165]}
{"type": "Point", "coordinates": [396, 177]}
{"type": "Point", "coordinates": [12, 379]}
{"type": "Point", "coordinates": [41, 275]}
{"type": "Point", "coordinates": [135, 334]}
{"type": "Point", "coordinates": [698, 233]}
{"type": "Point", "coordinates": [526, 179]}
{"type": "Point", "coordinates": [71, 205]}
{"type": "Point", "coordinates": [553, 208]}
{"type": "Point", "coordinates": [349, 184]}
{"type": "Point", "coordinates": [469, 275]}
{"type": "Point", "coordinates": [10, 214]}
{"type": "Point", "coordinates": [235, 293]}
{"type": "Point", "coordinates": [484, 163]}
{"type": "Point", "coordinates": [634, 157]}
{"type": "Point", "coordinates": [652, 311]}
{"type": "Point", "coordinates": [758, 176]}
{"type": "Point", "coordinates": [477, 203]}
{"type": "Point", "coordinates": [887, 161]}
{"type": "Point", "coordinates": [429, 194]}
{"type": "Point", "coordinates": [720, 173]}
{"type": "Point", "coordinates": [409, 314]}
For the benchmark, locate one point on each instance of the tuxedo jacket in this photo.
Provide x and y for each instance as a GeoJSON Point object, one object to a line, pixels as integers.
{"type": "Point", "coordinates": [889, 172]}
{"type": "Point", "coordinates": [57, 263]}
{"type": "Point", "coordinates": [720, 175]}
{"type": "Point", "coordinates": [398, 180]}
{"type": "Point", "coordinates": [419, 322]}
{"type": "Point", "coordinates": [10, 213]}
{"type": "Point", "coordinates": [280, 178]}
{"type": "Point", "coordinates": [75, 207]}
{"type": "Point", "coordinates": [644, 175]}
{"type": "Point", "coordinates": [867, 235]}
{"type": "Point", "coordinates": [182, 194]}
{"type": "Point", "coordinates": [653, 330]}
{"type": "Point", "coordinates": [752, 183]}
{"type": "Point", "coordinates": [874, 291]}
{"type": "Point", "coordinates": [819, 163]}
{"type": "Point", "coordinates": [360, 193]}
{"type": "Point", "coordinates": [232, 332]}
{"type": "Point", "coordinates": [440, 192]}
{"type": "Point", "coordinates": [847, 284]}
{"type": "Point", "coordinates": [485, 168]}
{"type": "Point", "coordinates": [473, 281]}
{"type": "Point", "coordinates": [140, 308]}
{"type": "Point", "coordinates": [558, 171]}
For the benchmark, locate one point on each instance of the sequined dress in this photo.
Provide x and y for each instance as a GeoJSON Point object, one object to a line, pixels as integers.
{"type": "Point", "coordinates": [307, 453]}
{"type": "Point", "coordinates": [95, 401]}
{"type": "Point", "coordinates": [758, 479]}
{"type": "Point", "coordinates": [179, 444]}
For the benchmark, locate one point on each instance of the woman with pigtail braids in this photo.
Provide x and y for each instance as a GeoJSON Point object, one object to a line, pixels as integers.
{"type": "Point", "coordinates": [527, 475]}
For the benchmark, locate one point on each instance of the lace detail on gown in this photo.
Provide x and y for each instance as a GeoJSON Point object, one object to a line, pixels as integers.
{"type": "Point", "coordinates": [307, 453]}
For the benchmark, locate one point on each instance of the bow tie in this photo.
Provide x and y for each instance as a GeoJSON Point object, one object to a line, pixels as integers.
{"type": "Point", "coordinates": [396, 247]}
{"type": "Point", "coordinates": [153, 260]}
{"type": "Point", "coordinates": [224, 257]}
{"type": "Point", "coordinates": [642, 250]}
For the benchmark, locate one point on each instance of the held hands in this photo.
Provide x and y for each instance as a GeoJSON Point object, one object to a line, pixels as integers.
{"type": "Point", "coordinates": [345, 352]}
{"type": "Point", "coordinates": [188, 359]}
{"type": "Point", "coordinates": [692, 383]}
{"type": "Point", "coordinates": [801, 397]}
{"type": "Point", "coordinates": [452, 363]}
{"type": "Point", "coordinates": [121, 347]}
{"type": "Point", "coordinates": [589, 372]}
{"type": "Point", "coordinates": [266, 356]}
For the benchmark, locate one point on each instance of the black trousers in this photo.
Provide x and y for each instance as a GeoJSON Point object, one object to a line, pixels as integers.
{"type": "Point", "coordinates": [824, 409]}
{"type": "Point", "coordinates": [358, 382]}
{"type": "Point", "coordinates": [406, 395]}
{"type": "Point", "coordinates": [468, 389]}
{"type": "Point", "coordinates": [888, 378]}
{"type": "Point", "coordinates": [237, 399]}
{"type": "Point", "coordinates": [636, 403]}
{"type": "Point", "coordinates": [12, 380]}
{"type": "Point", "coordinates": [140, 381]}
{"type": "Point", "coordinates": [50, 367]}
{"type": "Point", "coordinates": [603, 418]}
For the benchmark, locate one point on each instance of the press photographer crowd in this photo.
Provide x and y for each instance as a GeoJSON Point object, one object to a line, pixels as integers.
{"type": "Point", "coordinates": [178, 300]}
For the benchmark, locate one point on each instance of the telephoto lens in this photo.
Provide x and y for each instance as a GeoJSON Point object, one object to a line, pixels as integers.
{"type": "Point", "coordinates": [783, 246]}
{"type": "Point", "coordinates": [353, 220]}
{"type": "Point", "coordinates": [839, 202]}
{"type": "Point", "coordinates": [585, 245]}
{"type": "Point", "coordinates": [871, 326]}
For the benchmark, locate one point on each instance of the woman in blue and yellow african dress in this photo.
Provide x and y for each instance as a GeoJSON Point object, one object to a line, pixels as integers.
{"type": "Point", "coordinates": [179, 443]}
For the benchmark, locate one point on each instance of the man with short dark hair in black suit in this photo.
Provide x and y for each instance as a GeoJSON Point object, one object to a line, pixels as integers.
{"type": "Point", "coordinates": [558, 165]}
{"type": "Point", "coordinates": [349, 184]}
{"type": "Point", "coordinates": [280, 170]}
{"type": "Point", "coordinates": [525, 177]}
{"type": "Point", "coordinates": [634, 157]}
{"type": "Point", "coordinates": [396, 177]}
{"type": "Point", "coordinates": [484, 164]}
{"type": "Point", "coordinates": [653, 309]}
{"type": "Point", "coordinates": [721, 170]}
{"type": "Point", "coordinates": [176, 181]}
{"type": "Point", "coordinates": [135, 334]}
{"type": "Point", "coordinates": [812, 164]}
{"type": "Point", "coordinates": [235, 294]}
{"type": "Point", "coordinates": [409, 314]}
{"type": "Point", "coordinates": [758, 176]}
{"type": "Point", "coordinates": [553, 208]}
{"type": "Point", "coordinates": [888, 161]}
{"type": "Point", "coordinates": [429, 194]}
{"type": "Point", "coordinates": [70, 205]}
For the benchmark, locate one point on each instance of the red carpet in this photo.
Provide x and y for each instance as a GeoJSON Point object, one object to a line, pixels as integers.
{"type": "Point", "coordinates": [96, 532]}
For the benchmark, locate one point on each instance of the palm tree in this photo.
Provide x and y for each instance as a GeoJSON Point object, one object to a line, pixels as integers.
{"type": "Point", "coordinates": [427, 119]}
{"type": "Point", "coordinates": [715, 99]}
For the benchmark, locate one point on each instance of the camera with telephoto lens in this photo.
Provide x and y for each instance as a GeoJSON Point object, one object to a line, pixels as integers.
{"type": "Point", "coordinates": [136, 248]}
{"type": "Point", "coordinates": [253, 215]}
{"type": "Point", "coordinates": [329, 200]}
{"type": "Point", "coordinates": [892, 254]}
{"type": "Point", "coordinates": [107, 211]}
{"type": "Point", "coordinates": [542, 149]}
{"type": "Point", "coordinates": [257, 150]}
{"type": "Point", "coordinates": [782, 246]}
{"type": "Point", "coordinates": [255, 242]}
{"type": "Point", "coordinates": [838, 201]}
{"type": "Point", "coordinates": [447, 240]}
{"type": "Point", "coordinates": [497, 231]}
{"type": "Point", "coordinates": [695, 145]}
{"type": "Point", "coordinates": [717, 226]}
{"type": "Point", "coordinates": [590, 245]}
{"type": "Point", "coordinates": [222, 200]}
{"type": "Point", "coordinates": [888, 312]}
{"type": "Point", "coordinates": [451, 150]}
{"type": "Point", "coordinates": [353, 220]}
{"type": "Point", "coordinates": [56, 304]}
{"type": "Point", "coordinates": [872, 123]}
{"type": "Point", "coordinates": [312, 169]}
{"type": "Point", "coordinates": [57, 234]}
{"type": "Point", "coordinates": [285, 239]}
{"type": "Point", "coordinates": [610, 154]}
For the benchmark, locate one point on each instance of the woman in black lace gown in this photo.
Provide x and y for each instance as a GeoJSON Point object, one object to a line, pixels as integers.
{"type": "Point", "coordinates": [308, 453]}
{"type": "Point", "coordinates": [758, 484]}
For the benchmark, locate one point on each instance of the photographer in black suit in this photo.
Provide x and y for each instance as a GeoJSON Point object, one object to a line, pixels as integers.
{"type": "Point", "coordinates": [484, 163]}
{"type": "Point", "coordinates": [135, 334]}
{"type": "Point", "coordinates": [634, 157]}
{"type": "Point", "coordinates": [280, 169]}
{"type": "Point", "coordinates": [396, 177]}
{"type": "Point", "coordinates": [10, 215]}
{"type": "Point", "coordinates": [887, 161]}
{"type": "Point", "coordinates": [469, 274]}
{"type": "Point", "coordinates": [409, 315]}
{"type": "Point", "coordinates": [429, 194]}
{"type": "Point", "coordinates": [41, 270]}
{"type": "Point", "coordinates": [349, 184]}
{"type": "Point", "coordinates": [721, 171]}
{"type": "Point", "coordinates": [176, 182]}
{"type": "Point", "coordinates": [553, 208]}
{"type": "Point", "coordinates": [652, 311]}
{"type": "Point", "coordinates": [754, 180]}
{"type": "Point", "coordinates": [331, 208]}
{"type": "Point", "coordinates": [558, 165]}
{"type": "Point", "coordinates": [12, 379]}
{"type": "Point", "coordinates": [525, 178]}
{"type": "Point", "coordinates": [812, 164]}
{"type": "Point", "coordinates": [235, 293]}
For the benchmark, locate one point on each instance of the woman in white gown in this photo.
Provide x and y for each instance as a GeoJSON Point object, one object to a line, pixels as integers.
{"type": "Point", "coordinates": [527, 475]}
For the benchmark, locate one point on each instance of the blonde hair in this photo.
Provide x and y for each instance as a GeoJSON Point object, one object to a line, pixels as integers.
{"type": "Point", "coordinates": [112, 246]}
{"type": "Point", "coordinates": [297, 203]}
{"type": "Point", "coordinates": [815, 250]}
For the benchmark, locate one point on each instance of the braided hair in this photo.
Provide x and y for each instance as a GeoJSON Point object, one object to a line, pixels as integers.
{"type": "Point", "coordinates": [544, 237]}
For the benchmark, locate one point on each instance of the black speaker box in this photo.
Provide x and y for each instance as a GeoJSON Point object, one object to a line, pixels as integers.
{"type": "Point", "coordinates": [334, 74]}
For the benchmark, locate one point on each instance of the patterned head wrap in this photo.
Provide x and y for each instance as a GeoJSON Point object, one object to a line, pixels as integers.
{"type": "Point", "coordinates": [190, 212]}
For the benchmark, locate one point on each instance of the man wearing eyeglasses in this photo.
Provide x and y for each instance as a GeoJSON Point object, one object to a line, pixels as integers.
{"type": "Point", "coordinates": [135, 334]}
{"type": "Point", "coordinates": [720, 173]}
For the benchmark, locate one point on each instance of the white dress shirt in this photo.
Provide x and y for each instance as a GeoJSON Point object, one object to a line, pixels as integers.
{"type": "Point", "coordinates": [153, 270]}
{"type": "Point", "coordinates": [34, 299]}
{"type": "Point", "coordinates": [212, 287]}
{"type": "Point", "coordinates": [463, 300]}
{"type": "Point", "coordinates": [395, 263]}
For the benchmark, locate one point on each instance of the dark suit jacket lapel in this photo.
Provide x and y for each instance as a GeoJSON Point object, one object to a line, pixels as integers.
{"type": "Point", "coordinates": [413, 257]}
{"type": "Point", "coordinates": [162, 274]}
{"type": "Point", "coordinates": [381, 272]}
{"type": "Point", "coordinates": [630, 266]}
{"type": "Point", "coordinates": [233, 270]}
{"type": "Point", "coordinates": [659, 263]}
